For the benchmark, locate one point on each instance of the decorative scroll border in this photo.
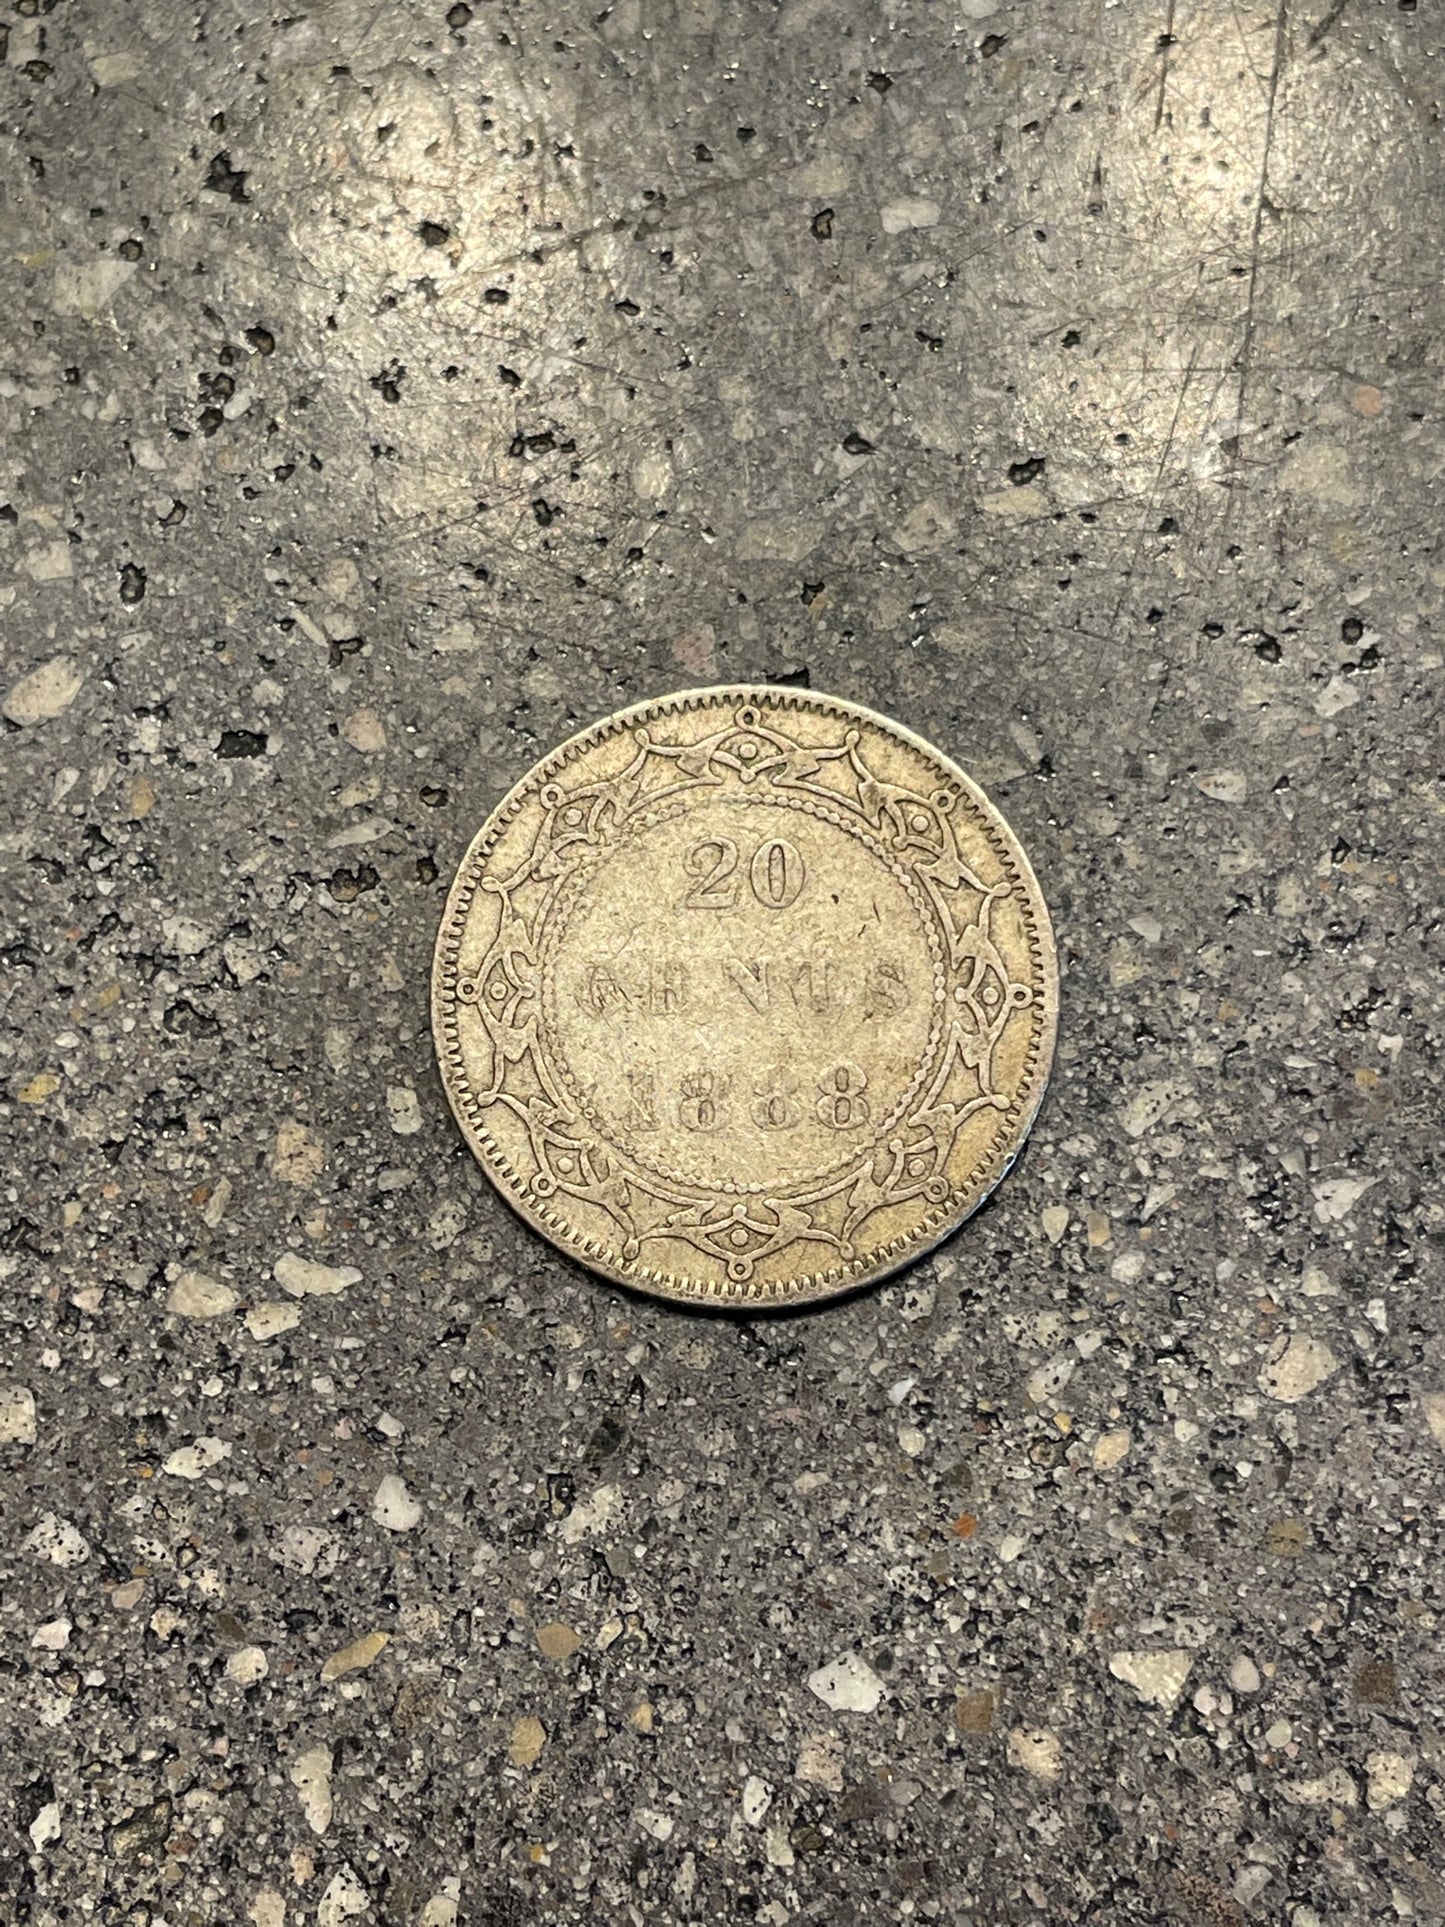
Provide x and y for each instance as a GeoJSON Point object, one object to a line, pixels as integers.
{"type": "Point", "coordinates": [733, 1233]}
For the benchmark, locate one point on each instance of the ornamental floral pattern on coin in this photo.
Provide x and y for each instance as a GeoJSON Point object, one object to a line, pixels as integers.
{"type": "Point", "coordinates": [745, 997]}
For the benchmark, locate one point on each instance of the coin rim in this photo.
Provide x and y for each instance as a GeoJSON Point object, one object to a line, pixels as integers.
{"type": "Point", "coordinates": [443, 993]}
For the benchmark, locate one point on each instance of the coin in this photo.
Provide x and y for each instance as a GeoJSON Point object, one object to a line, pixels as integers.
{"type": "Point", "coordinates": [745, 997]}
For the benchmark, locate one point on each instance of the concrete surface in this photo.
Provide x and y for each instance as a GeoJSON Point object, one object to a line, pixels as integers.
{"type": "Point", "coordinates": [389, 389]}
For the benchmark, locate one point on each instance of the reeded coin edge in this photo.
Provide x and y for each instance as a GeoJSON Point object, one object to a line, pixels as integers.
{"type": "Point", "coordinates": [942, 1219]}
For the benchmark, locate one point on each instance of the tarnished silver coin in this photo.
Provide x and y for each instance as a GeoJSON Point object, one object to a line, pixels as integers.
{"type": "Point", "coordinates": [745, 997]}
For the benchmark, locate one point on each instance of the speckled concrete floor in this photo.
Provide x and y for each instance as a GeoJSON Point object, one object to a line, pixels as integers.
{"type": "Point", "coordinates": [388, 390]}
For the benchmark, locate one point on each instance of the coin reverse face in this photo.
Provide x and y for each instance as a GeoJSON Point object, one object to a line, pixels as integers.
{"type": "Point", "coordinates": [745, 997]}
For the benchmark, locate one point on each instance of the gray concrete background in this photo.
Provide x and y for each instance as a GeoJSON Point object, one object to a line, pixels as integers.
{"type": "Point", "coordinates": [388, 391]}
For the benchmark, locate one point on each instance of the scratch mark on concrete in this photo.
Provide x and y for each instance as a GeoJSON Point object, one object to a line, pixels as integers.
{"type": "Point", "coordinates": [1261, 203]}
{"type": "Point", "coordinates": [1166, 47]}
{"type": "Point", "coordinates": [1131, 568]}
{"type": "Point", "coordinates": [1326, 26]}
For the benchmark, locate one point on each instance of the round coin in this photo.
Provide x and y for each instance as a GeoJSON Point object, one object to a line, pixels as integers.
{"type": "Point", "coordinates": [745, 997]}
